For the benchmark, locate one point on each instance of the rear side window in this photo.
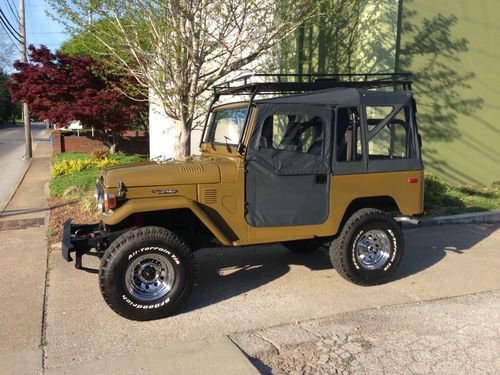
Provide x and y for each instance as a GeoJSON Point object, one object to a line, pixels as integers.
{"type": "Point", "coordinates": [293, 132]}
{"type": "Point", "coordinates": [348, 135]}
{"type": "Point", "coordinates": [388, 137]}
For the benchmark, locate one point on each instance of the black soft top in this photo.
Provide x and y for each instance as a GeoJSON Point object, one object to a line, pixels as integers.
{"type": "Point", "coordinates": [343, 97]}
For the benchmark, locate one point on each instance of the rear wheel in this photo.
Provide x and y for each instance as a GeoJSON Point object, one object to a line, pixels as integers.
{"type": "Point", "coordinates": [369, 248]}
{"type": "Point", "coordinates": [147, 274]}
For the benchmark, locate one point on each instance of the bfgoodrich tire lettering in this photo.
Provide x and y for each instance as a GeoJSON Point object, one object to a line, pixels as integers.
{"type": "Point", "coordinates": [147, 274]}
{"type": "Point", "coordinates": [369, 248]}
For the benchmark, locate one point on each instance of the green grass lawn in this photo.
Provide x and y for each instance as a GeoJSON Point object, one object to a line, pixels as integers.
{"type": "Point", "coordinates": [85, 179]}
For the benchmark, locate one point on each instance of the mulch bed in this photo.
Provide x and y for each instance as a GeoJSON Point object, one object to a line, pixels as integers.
{"type": "Point", "coordinates": [61, 210]}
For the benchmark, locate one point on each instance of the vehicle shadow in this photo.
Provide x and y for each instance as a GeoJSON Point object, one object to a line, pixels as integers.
{"type": "Point", "coordinates": [223, 273]}
{"type": "Point", "coordinates": [228, 272]}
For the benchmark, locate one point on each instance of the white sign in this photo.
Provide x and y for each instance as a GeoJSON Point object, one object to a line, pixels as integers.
{"type": "Point", "coordinates": [75, 125]}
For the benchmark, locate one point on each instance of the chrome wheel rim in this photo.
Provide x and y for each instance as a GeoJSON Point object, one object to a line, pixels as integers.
{"type": "Point", "coordinates": [150, 277]}
{"type": "Point", "coordinates": [373, 249]}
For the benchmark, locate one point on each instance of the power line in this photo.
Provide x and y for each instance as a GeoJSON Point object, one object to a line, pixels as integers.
{"type": "Point", "coordinates": [7, 24]}
{"type": "Point", "coordinates": [13, 11]}
{"type": "Point", "coordinates": [10, 37]}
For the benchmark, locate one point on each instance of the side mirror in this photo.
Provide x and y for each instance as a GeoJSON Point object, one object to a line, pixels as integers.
{"type": "Point", "coordinates": [419, 139]}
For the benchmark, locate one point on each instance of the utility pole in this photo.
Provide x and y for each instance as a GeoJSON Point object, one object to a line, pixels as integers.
{"type": "Point", "coordinates": [26, 114]}
{"type": "Point", "coordinates": [399, 27]}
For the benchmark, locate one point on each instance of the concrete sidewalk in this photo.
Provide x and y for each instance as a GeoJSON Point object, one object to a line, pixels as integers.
{"type": "Point", "coordinates": [23, 263]}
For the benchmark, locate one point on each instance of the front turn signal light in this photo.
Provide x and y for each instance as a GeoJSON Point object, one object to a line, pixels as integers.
{"type": "Point", "coordinates": [109, 202]}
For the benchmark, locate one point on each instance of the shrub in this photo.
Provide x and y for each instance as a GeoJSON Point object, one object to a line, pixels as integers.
{"type": "Point", "coordinates": [65, 167]}
{"type": "Point", "coordinates": [434, 190]}
{"type": "Point", "coordinates": [99, 154]}
{"type": "Point", "coordinates": [103, 163]}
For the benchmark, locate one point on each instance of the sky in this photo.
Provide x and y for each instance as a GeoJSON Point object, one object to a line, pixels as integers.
{"type": "Point", "coordinates": [40, 28]}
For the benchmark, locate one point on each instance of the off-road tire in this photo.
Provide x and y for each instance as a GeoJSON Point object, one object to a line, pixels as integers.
{"type": "Point", "coordinates": [126, 251]}
{"type": "Point", "coordinates": [302, 246]}
{"type": "Point", "coordinates": [344, 249]}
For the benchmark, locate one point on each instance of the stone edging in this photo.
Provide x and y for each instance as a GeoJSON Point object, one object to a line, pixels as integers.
{"type": "Point", "coordinates": [469, 218]}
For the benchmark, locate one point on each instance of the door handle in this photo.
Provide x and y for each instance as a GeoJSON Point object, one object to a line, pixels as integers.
{"type": "Point", "coordinates": [320, 178]}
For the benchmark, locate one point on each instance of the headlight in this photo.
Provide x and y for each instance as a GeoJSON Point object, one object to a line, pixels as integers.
{"type": "Point", "coordinates": [105, 201]}
{"type": "Point", "coordinates": [100, 202]}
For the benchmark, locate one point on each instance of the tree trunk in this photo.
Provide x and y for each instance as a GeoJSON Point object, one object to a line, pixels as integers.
{"type": "Point", "coordinates": [300, 51]}
{"type": "Point", "coordinates": [184, 148]}
{"type": "Point", "coordinates": [322, 42]}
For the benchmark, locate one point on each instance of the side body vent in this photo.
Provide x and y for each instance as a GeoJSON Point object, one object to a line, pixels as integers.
{"type": "Point", "coordinates": [209, 196]}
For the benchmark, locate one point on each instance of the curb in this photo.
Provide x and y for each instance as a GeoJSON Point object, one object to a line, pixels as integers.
{"type": "Point", "coordinates": [489, 217]}
{"type": "Point", "coordinates": [471, 218]}
{"type": "Point", "coordinates": [6, 202]}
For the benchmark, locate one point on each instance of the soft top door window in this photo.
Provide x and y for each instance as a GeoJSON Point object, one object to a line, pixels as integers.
{"type": "Point", "coordinates": [291, 139]}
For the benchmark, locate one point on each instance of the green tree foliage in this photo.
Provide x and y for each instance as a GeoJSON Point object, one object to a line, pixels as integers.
{"type": "Point", "coordinates": [7, 108]}
{"type": "Point", "coordinates": [85, 42]}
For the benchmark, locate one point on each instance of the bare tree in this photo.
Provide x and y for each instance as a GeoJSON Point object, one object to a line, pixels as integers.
{"type": "Point", "coordinates": [178, 49]}
{"type": "Point", "coordinates": [6, 50]}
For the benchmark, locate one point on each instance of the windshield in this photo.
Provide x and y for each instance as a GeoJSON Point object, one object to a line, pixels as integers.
{"type": "Point", "coordinates": [226, 126]}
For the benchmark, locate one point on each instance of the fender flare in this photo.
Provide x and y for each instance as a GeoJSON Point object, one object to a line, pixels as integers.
{"type": "Point", "coordinates": [161, 204]}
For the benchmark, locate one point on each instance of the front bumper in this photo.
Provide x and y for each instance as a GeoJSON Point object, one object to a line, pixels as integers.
{"type": "Point", "coordinates": [82, 238]}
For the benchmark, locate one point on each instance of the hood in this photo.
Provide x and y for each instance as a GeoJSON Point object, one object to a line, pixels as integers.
{"type": "Point", "coordinates": [157, 174]}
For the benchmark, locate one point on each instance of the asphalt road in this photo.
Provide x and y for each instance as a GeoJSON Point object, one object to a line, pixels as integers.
{"type": "Point", "coordinates": [11, 153]}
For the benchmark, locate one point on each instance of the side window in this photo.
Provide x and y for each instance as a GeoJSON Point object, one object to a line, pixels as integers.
{"type": "Point", "coordinates": [348, 137]}
{"type": "Point", "coordinates": [293, 132]}
{"type": "Point", "coordinates": [390, 141]}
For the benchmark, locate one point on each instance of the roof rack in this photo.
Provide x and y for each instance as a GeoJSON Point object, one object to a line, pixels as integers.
{"type": "Point", "coordinates": [258, 84]}
{"type": "Point", "coordinates": [253, 84]}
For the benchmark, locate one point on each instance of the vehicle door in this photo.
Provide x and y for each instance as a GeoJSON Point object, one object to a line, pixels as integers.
{"type": "Point", "coordinates": [288, 164]}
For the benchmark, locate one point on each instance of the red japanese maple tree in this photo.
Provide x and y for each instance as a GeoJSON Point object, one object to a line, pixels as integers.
{"type": "Point", "coordinates": [62, 89]}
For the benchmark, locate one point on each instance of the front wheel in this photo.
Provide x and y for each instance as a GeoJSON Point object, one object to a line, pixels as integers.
{"type": "Point", "coordinates": [369, 248]}
{"type": "Point", "coordinates": [147, 273]}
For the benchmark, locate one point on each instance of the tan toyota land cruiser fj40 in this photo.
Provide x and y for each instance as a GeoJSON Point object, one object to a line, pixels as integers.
{"type": "Point", "coordinates": [329, 159]}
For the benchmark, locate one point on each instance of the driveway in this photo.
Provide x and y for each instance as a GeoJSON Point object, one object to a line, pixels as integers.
{"type": "Point", "coordinates": [11, 152]}
{"type": "Point", "coordinates": [244, 289]}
